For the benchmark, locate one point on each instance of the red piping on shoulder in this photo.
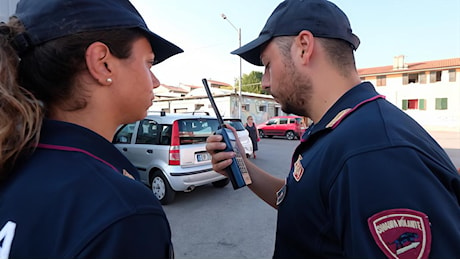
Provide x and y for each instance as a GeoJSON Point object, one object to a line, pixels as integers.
{"type": "Point", "coordinates": [73, 149]}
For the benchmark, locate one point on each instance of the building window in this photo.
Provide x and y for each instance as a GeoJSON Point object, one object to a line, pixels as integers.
{"type": "Point", "coordinates": [422, 77]}
{"type": "Point", "coordinates": [435, 76]}
{"type": "Point", "coordinates": [441, 103]}
{"type": "Point", "coordinates": [452, 75]}
{"type": "Point", "coordinates": [198, 106]}
{"type": "Point", "coordinates": [245, 107]}
{"type": "Point", "coordinates": [277, 111]}
{"type": "Point", "coordinates": [262, 108]}
{"type": "Point", "coordinates": [414, 104]}
{"type": "Point", "coordinates": [381, 81]}
{"type": "Point", "coordinates": [413, 78]}
{"type": "Point", "coordinates": [180, 110]}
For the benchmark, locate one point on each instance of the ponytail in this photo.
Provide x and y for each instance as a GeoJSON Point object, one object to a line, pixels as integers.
{"type": "Point", "coordinates": [21, 114]}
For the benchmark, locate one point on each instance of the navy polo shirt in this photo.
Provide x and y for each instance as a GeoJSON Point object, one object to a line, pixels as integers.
{"type": "Point", "coordinates": [366, 157]}
{"type": "Point", "coordinates": [71, 200]}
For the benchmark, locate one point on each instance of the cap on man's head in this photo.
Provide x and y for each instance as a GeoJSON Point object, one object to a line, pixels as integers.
{"type": "Point", "coordinates": [322, 18]}
{"type": "Point", "coordinates": [51, 19]}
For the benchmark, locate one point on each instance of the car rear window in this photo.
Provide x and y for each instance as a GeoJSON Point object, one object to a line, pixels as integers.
{"type": "Point", "coordinates": [193, 131]}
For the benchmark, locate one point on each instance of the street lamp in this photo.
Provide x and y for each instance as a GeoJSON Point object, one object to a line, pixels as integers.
{"type": "Point", "coordinates": [241, 76]}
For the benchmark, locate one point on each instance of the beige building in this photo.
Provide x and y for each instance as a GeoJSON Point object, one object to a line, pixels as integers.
{"type": "Point", "coordinates": [428, 91]}
{"type": "Point", "coordinates": [260, 107]}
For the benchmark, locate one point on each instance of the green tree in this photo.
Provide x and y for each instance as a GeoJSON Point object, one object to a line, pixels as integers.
{"type": "Point", "coordinates": [251, 82]}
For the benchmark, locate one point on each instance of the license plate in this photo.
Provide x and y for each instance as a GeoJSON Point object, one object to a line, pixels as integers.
{"type": "Point", "coordinates": [200, 157]}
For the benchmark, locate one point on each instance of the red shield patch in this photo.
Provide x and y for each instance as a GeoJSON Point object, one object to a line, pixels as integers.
{"type": "Point", "coordinates": [401, 233]}
{"type": "Point", "coordinates": [298, 169]}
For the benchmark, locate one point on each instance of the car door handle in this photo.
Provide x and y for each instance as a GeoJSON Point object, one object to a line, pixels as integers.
{"type": "Point", "coordinates": [125, 149]}
{"type": "Point", "coordinates": [149, 151]}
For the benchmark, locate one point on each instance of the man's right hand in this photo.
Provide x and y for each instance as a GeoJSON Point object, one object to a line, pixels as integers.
{"type": "Point", "coordinates": [220, 160]}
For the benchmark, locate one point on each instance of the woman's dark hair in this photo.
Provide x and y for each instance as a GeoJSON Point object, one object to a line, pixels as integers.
{"type": "Point", "coordinates": [45, 75]}
{"type": "Point", "coordinates": [49, 71]}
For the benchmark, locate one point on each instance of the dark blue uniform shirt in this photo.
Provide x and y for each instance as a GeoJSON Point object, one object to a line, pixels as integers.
{"type": "Point", "coordinates": [71, 200]}
{"type": "Point", "coordinates": [366, 157]}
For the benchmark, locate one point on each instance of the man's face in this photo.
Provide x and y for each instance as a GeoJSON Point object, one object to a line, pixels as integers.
{"type": "Point", "coordinates": [286, 84]}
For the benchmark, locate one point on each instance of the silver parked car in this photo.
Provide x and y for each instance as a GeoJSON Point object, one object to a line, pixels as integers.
{"type": "Point", "coordinates": [169, 152]}
{"type": "Point", "coordinates": [243, 134]}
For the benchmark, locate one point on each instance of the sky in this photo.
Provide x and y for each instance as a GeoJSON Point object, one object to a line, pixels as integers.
{"type": "Point", "coordinates": [421, 30]}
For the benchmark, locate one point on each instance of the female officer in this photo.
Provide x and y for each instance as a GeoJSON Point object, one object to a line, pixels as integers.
{"type": "Point", "coordinates": [70, 73]}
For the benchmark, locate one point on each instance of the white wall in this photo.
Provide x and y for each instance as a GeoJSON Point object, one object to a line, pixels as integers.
{"type": "Point", "coordinates": [7, 8]}
{"type": "Point", "coordinates": [430, 118]}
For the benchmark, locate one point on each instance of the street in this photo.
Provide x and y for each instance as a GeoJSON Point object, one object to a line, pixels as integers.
{"type": "Point", "coordinates": [225, 223]}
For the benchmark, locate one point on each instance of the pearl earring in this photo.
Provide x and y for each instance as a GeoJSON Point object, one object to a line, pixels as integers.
{"type": "Point", "coordinates": [109, 80]}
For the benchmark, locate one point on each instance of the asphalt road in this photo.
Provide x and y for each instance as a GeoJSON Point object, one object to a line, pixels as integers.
{"type": "Point", "coordinates": [225, 223]}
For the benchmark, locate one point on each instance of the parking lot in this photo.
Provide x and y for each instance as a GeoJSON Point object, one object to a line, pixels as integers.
{"type": "Point", "coordinates": [226, 223]}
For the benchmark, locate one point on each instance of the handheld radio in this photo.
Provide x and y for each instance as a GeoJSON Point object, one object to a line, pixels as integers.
{"type": "Point", "coordinates": [237, 171]}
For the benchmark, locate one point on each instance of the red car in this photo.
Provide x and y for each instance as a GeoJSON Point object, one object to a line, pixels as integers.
{"type": "Point", "coordinates": [289, 126]}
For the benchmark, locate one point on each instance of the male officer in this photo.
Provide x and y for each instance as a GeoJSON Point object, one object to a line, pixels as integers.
{"type": "Point", "coordinates": [366, 181]}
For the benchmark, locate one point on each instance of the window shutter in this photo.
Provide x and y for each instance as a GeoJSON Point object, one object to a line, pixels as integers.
{"type": "Point", "coordinates": [405, 79]}
{"type": "Point", "coordinates": [405, 104]}
{"type": "Point", "coordinates": [432, 76]}
{"type": "Point", "coordinates": [421, 104]}
{"type": "Point", "coordinates": [422, 77]}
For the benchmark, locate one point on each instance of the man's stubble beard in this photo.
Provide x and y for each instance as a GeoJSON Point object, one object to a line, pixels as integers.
{"type": "Point", "coordinates": [297, 98]}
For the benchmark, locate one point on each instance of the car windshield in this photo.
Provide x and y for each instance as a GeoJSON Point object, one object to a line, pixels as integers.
{"type": "Point", "coordinates": [235, 124]}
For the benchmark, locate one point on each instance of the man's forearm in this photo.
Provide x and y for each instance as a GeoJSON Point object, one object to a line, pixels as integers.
{"type": "Point", "coordinates": [264, 184]}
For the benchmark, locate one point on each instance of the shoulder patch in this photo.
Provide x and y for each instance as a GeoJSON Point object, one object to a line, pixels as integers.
{"type": "Point", "coordinates": [401, 233]}
{"type": "Point", "coordinates": [298, 169]}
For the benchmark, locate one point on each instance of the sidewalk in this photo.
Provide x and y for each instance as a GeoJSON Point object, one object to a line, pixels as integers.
{"type": "Point", "coordinates": [450, 141]}
{"type": "Point", "coordinates": [447, 139]}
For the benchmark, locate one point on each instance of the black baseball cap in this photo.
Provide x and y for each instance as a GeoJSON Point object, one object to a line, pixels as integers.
{"type": "Point", "coordinates": [47, 20]}
{"type": "Point", "coordinates": [322, 18]}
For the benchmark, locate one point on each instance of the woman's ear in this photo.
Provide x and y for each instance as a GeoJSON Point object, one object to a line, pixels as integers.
{"type": "Point", "coordinates": [98, 58]}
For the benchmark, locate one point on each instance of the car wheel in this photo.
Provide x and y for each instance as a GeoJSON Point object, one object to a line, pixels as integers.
{"type": "Point", "coordinates": [221, 183]}
{"type": "Point", "coordinates": [161, 188]}
{"type": "Point", "coordinates": [290, 135]}
{"type": "Point", "coordinates": [261, 134]}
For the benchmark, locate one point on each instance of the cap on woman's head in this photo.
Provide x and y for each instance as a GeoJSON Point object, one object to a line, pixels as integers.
{"type": "Point", "coordinates": [47, 20]}
{"type": "Point", "coordinates": [322, 18]}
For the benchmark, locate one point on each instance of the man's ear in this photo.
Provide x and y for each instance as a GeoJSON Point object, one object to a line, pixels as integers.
{"type": "Point", "coordinates": [98, 62]}
{"type": "Point", "coordinates": [304, 45]}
